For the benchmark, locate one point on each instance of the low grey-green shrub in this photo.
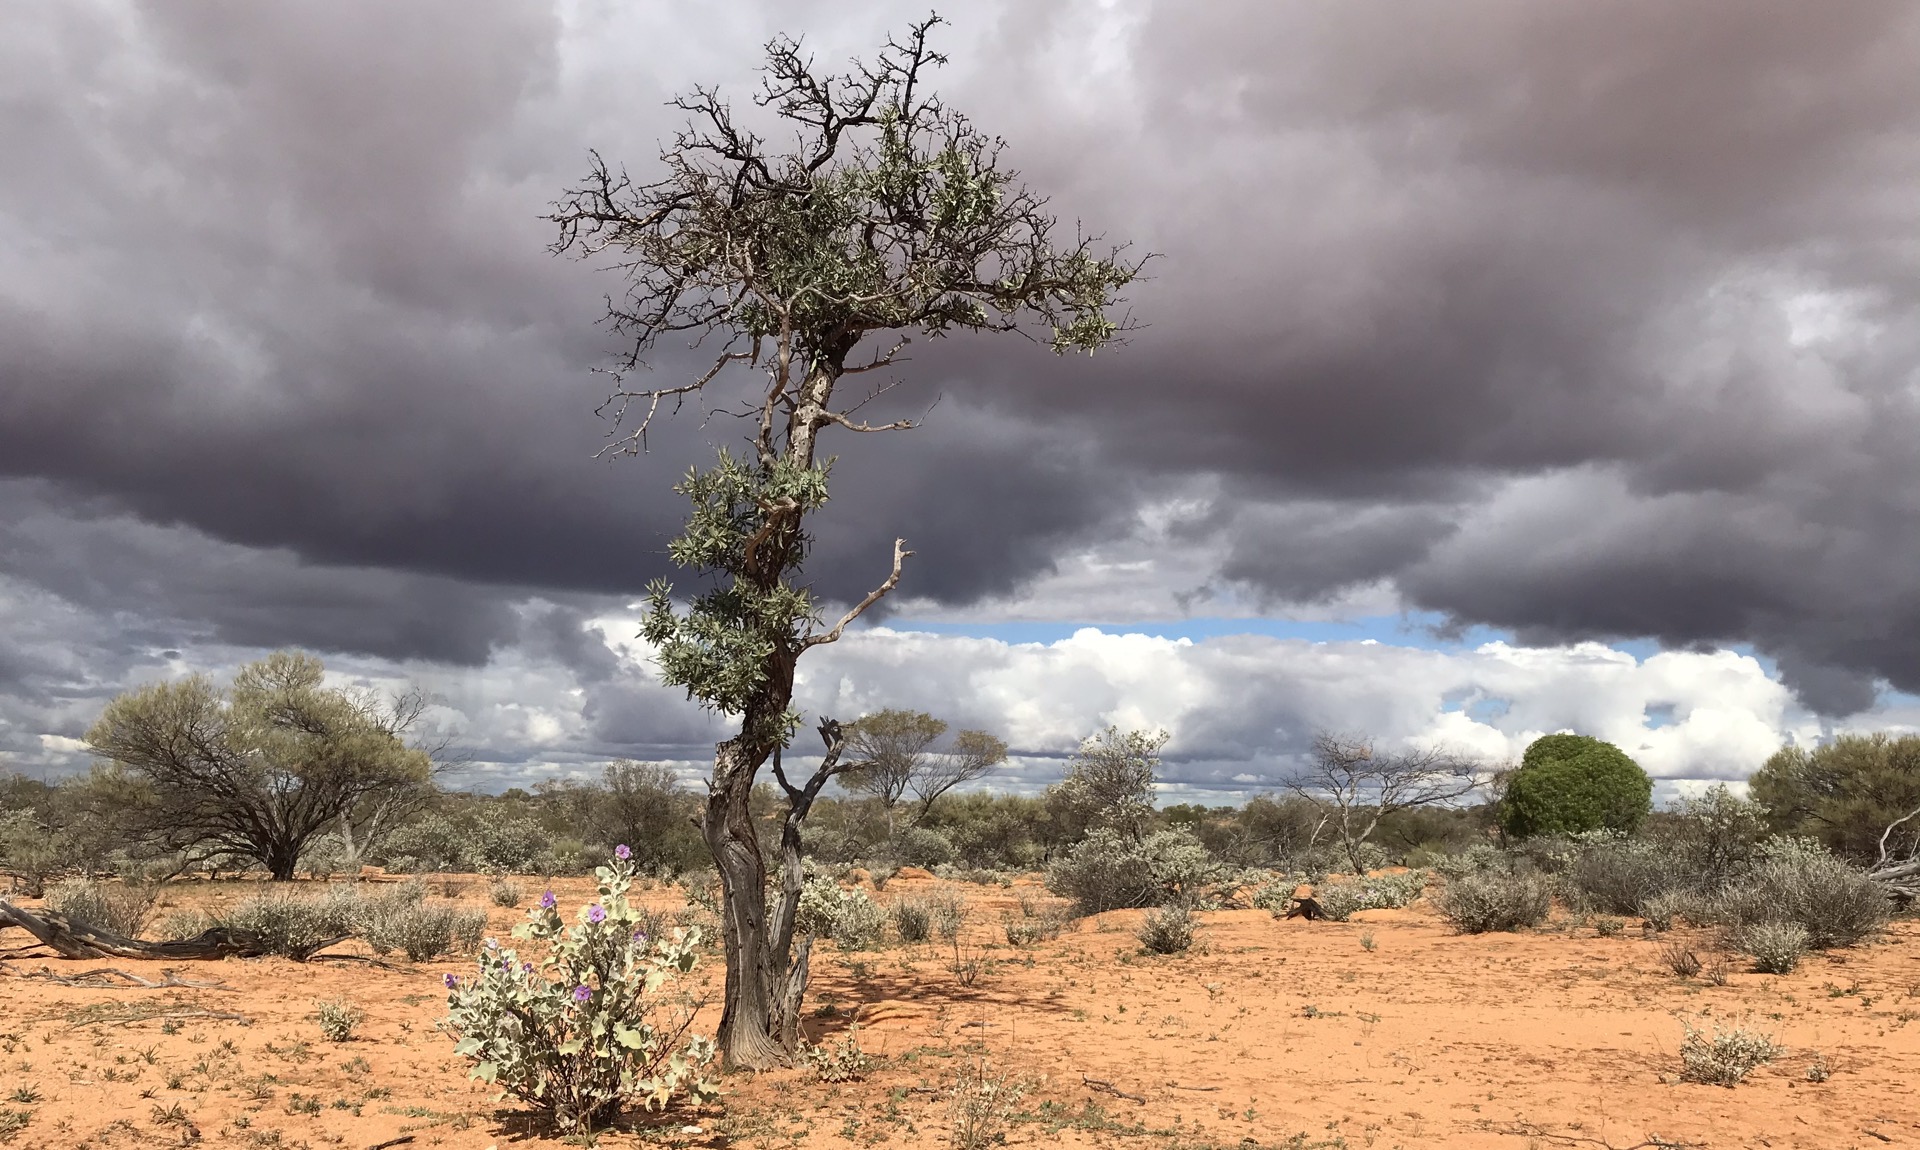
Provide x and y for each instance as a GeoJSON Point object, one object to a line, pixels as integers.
{"type": "Point", "coordinates": [1341, 900]}
{"type": "Point", "coordinates": [849, 917]}
{"type": "Point", "coordinates": [1662, 910]}
{"type": "Point", "coordinates": [338, 1018]}
{"type": "Point", "coordinates": [949, 914]}
{"type": "Point", "coordinates": [1724, 1057]}
{"type": "Point", "coordinates": [1109, 870]}
{"type": "Point", "coordinates": [184, 924]}
{"type": "Point", "coordinates": [121, 908]}
{"type": "Point", "coordinates": [1167, 930]}
{"type": "Point", "coordinates": [1776, 947]}
{"type": "Point", "coordinates": [912, 919]}
{"type": "Point", "coordinates": [1836, 904]}
{"type": "Point", "coordinates": [505, 893]}
{"type": "Point", "coordinates": [1495, 900]}
{"type": "Point", "coordinates": [589, 1021]}
{"type": "Point", "coordinates": [284, 924]}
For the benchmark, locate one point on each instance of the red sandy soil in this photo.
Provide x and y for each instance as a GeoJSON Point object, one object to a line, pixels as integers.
{"type": "Point", "coordinates": [1267, 1032]}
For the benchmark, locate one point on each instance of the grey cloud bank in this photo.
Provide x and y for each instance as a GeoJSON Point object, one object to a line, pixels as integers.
{"type": "Point", "coordinates": [1581, 322]}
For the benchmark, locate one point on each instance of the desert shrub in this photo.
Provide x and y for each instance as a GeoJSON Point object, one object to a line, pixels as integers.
{"type": "Point", "coordinates": [1476, 859]}
{"type": "Point", "coordinates": [1724, 1057]}
{"type": "Point", "coordinates": [1109, 870]}
{"type": "Point", "coordinates": [1680, 959]}
{"type": "Point", "coordinates": [922, 847]}
{"type": "Point", "coordinates": [284, 924]}
{"type": "Point", "coordinates": [185, 924]}
{"type": "Point", "coordinates": [122, 908]}
{"type": "Point", "coordinates": [1276, 894]}
{"type": "Point", "coordinates": [1046, 924]}
{"type": "Point", "coordinates": [1477, 903]}
{"type": "Point", "coordinates": [949, 914]}
{"type": "Point", "coordinates": [31, 850]}
{"type": "Point", "coordinates": [1661, 910]}
{"type": "Point", "coordinates": [981, 1104]}
{"type": "Point", "coordinates": [422, 931]}
{"type": "Point", "coordinates": [849, 917]}
{"type": "Point", "coordinates": [588, 1025]}
{"type": "Point", "coordinates": [1167, 930]}
{"type": "Point", "coordinates": [1801, 883]}
{"type": "Point", "coordinates": [338, 1018]}
{"type": "Point", "coordinates": [843, 1061]}
{"type": "Point", "coordinates": [499, 839]}
{"type": "Point", "coordinates": [1612, 873]}
{"type": "Point", "coordinates": [1776, 947]}
{"type": "Point", "coordinates": [1569, 783]}
{"type": "Point", "coordinates": [1608, 927]}
{"type": "Point", "coordinates": [1342, 900]}
{"type": "Point", "coordinates": [505, 892]}
{"type": "Point", "coordinates": [912, 919]}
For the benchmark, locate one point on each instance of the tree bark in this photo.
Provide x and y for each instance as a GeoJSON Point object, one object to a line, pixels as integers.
{"type": "Point", "coordinates": [71, 938]}
{"type": "Point", "coordinates": [746, 1037]}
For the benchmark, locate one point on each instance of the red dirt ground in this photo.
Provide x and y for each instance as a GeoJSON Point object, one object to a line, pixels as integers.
{"type": "Point", "coordinates": [1270, 1033]}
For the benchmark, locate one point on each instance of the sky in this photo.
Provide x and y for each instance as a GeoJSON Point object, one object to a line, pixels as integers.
{"type": "Point", "coordinates": [1506, 368]}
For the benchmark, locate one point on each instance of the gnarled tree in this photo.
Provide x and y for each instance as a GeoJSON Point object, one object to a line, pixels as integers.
{"type": "Point", "coordinates": [888, 216]}
{"type": "Point", "coordinates": [1358, 785]}
{"type": "Point", "coordinates": [259, 769]}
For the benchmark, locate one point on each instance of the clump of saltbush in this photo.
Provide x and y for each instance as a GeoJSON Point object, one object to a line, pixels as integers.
{"type": "Point", "coordinates": [1168, 930]}
{"type": "Point", "coordinates": [338, 1018]}
{"type": "Point", "coordinates": [1776, 947]}
{"type": "Point", "coordinates": [1495, 900]}
{"type": "Point", "coordinates": [592, 1024]}
{"type": "Point", "coordinates": [1797, 881]}
{"type": "Point", "coordinates": [912, 919]}
{"type": "Point", "coordinates": [287, 925]}
{"type": "Point", "coordinates": [121, 908]}
{"type": "Point", "coordinates": [1109, 870]}
{"type": "Point", "coordinates": [505, 893]}
{"type": "Point", "coordinates": [849, 917]}
{"type": "Point", "coordinates": [1340, 901]}
{"type": "Point", "coordinates": [1724, 1057]}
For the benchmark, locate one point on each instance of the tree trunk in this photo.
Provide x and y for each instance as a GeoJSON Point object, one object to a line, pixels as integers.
{"type": "Point", "coordinates": [746, 1036]}
{"type": "Point", "coordinates": [71, 938]}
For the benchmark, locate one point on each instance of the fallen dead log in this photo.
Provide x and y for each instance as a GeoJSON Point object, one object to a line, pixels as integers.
{"type": "Point", "coordinates": [71, 938]}
{"type": "Point", "coordinates": [110, 978]}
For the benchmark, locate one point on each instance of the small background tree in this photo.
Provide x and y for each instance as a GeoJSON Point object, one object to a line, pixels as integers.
{"type": "Point", "coordinates": [259, 769]}
{"type": "Point", "coordinates": [1572, 783]}
{"type": "Point", "coordinates": [1109, 784]}
{"type": "Point", "coordinates": [1359, 785]}
{"type": "Point", "coordinates": [888, 216]}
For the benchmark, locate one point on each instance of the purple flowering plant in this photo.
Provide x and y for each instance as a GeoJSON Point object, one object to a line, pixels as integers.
{"type": "Point", "coordinates": [589, 1020]}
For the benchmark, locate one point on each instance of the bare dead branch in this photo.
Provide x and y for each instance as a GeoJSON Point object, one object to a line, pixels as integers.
{"type": "Point", "coordinates": [900, 555]}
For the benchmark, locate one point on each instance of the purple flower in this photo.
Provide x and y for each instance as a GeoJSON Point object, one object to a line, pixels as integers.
{"type": "Point", "coordinates": [452, 982]}
{"type": "Point", "coordinates": [640, 938]}
{"type": "Point", "coordinates": [548, 901]}
{"type": "Point", "coordinates": [526, 968]}
{"type": "Point", "coordinates": [581, 993]}
{"type": "Point", "coordinates": [623, 852]}
{"type": "Point", "coordinates": [596, 913]}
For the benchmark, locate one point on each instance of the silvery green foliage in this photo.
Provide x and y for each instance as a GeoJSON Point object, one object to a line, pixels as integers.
{"type": "Point", "coordinates": [1493, 900]}
{"type": "Point", "coordinates": [1342, 900]}
{"type": "Point", "coordinates": [1275, 893]}
{"type": "Point", "coordinates": [1168, 930]}
{"type": "Point", "coordinates": [848, 917]}
{"type": "Point", "coordinates": [1724, 1057]}
{"type": "Point", "coordinates": [1109, 870]}
{"type": "Point", "coordinates": [1797, 881]}
{"type": "Point", "coordinates": [588, 1023]}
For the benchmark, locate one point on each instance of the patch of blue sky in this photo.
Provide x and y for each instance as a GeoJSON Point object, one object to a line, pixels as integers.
{"type": "Point", "coordinates": [1421, 630]}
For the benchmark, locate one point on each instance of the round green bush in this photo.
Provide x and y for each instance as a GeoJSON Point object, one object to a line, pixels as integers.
{"type": "Point", "coordinates": [1568, 784]}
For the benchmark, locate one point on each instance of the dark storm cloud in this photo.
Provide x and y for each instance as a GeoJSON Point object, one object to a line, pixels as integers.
{"type": "Point", "coordinates": [1578, 320]}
